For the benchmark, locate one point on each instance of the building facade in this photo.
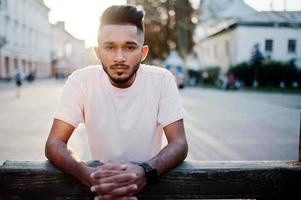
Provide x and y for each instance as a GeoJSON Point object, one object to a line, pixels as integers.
{"type": "Point", "coordinates": [25, 38]}
{"type": "Point", "coordinates": [67, 52]}
{"type": "Point", "coordinates": [232, 40]}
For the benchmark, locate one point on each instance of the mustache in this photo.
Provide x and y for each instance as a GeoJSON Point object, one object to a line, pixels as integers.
{"type": "Point", "coordinates": [119, 66]}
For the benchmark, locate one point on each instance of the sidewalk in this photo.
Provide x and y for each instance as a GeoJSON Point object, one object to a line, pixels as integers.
{"type": "Point", "coordinates": [25, 122]}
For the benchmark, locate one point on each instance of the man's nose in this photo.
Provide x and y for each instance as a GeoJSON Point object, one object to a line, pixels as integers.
{"type": "Point", "coordinates": [119, 56]}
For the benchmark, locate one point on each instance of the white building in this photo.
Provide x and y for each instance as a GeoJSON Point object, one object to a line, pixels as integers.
{"type": "Point", "coordinates": [67, 52]}
{"type": "Point", "coordinates": [232, 40]}
{"type": "Point", "coordinates": [24, 37]}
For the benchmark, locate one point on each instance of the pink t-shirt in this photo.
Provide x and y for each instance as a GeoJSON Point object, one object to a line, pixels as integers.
{"type": "Point", "coordinates": [122, 124]}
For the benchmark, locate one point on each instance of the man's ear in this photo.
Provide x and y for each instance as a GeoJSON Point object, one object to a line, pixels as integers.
{"type": "Point", "coordinates": [96, 50]}
{"type": "Point", "coordinates": [144, 52]}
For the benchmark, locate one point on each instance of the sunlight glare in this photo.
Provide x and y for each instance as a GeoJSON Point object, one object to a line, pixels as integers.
{"type": "Point", "coordinates": [81, 16]}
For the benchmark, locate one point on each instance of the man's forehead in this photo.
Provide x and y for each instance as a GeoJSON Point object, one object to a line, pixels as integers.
{"type": "Point", "coordinates": [123, 32]}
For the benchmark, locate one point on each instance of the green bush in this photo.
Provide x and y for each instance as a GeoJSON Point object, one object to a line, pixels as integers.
{"type": "Point", "coordinates": [268, 74]}
{"type": "Point", "coordinates": [243, 72]}
{"type": "Point", "coordinates": [194, 74]}
{"type": "Point", "coordinates": [210, 75]}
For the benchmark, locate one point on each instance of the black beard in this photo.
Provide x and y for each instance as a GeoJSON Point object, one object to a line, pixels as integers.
{"type": "Point", "coordinates": [120, 81]}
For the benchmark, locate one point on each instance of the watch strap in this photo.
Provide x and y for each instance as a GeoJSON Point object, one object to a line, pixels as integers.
{"type": "Point", "coordinates": [150, 173]}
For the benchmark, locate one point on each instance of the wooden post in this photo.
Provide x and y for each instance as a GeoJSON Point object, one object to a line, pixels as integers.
{"type": "Point", "coordinates": [300, 141]}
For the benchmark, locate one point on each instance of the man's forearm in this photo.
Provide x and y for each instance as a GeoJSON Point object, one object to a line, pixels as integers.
{"type": "Point", "coordinates": [63, 158]}
{"type": "Point", "coordinates": [171, 155]}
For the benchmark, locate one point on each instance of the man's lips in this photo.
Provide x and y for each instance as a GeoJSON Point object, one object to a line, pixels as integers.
{"type": "Point", "coordinates": [119, 67]}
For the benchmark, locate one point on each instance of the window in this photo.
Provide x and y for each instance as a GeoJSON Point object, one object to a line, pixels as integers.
{"type": "Point", "coordinates": [269, 45]}
{"type": "Point", "coordinates": [7, 68]}
{"type": "Point", "coordinates": [215, 51]}
{"type": "Point", "coordinates": [291, 47]}
{"type": "Point", "coordinates": [16, 63]}
{"type": "Point", "coordinates": [68, 49]}
{"type": "Point", "coordinates": [227, 48]}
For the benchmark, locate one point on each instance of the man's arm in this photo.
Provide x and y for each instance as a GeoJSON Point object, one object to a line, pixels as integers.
{"type": "Point", "coordinates": [175, 151]}
{"type": "Point", "coordinates": [57, 152]}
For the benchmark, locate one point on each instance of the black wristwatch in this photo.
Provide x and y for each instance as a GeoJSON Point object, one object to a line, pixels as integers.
{"type": "Point", "coordinates": [150, 173]}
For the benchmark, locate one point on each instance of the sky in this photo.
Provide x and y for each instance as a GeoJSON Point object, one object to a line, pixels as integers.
{"type": "Point", "coordinates": [82, 16]}
{"type": "Point", "coordinates": [261, 5]}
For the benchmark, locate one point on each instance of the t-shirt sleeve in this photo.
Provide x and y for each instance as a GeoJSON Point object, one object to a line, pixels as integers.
{"type": "Point", "coordinates": [170, 105]}
{"type": "Point", "coordinates": [70, 108]}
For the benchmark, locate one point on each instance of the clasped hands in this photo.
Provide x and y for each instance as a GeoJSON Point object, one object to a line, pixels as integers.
{"type": "Point", "coordinates": [117, 181]}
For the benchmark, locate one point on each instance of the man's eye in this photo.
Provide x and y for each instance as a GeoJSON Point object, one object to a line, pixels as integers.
{"type": "Point", "coordinates": [131, 48]}
{"type": "Point", "coordinates": [109, 47]}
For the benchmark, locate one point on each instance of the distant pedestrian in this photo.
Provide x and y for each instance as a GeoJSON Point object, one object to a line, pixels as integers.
{"type": "Point", "coordinates": [18, 81]}
{"type": "Point", "coordinates": [30, 77]}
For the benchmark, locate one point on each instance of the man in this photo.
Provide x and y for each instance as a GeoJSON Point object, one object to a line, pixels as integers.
{"type": "Point", "coordinates": [125, 106]}
{"type": "Point", "coordinates": [18, 80]}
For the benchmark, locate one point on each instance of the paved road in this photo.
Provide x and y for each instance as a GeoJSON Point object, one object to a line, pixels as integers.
{"type": "Point", "coordinates": [236, 125]}
{"type": "Point", "coordinates": [220, 125]}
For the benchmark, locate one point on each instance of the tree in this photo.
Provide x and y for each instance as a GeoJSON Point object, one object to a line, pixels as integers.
{"type": "Point", "coordinates": [168, 26]}
{"type": "Point", "coordinates": [256, 56]}
{"type": "Point", "coordinates": [255, 63]}
{"type": "Point", "coordinates": [184, 26]}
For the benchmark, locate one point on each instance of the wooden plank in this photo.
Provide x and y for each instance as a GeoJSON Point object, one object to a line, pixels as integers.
{"type": "Point", "coordinates": [300, 141]}
{"type": "Point", "coordinates": [190, 180]}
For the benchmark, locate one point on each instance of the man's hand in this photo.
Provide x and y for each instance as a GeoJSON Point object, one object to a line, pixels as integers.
{"type": "Point", "coordinates": [118, 181]}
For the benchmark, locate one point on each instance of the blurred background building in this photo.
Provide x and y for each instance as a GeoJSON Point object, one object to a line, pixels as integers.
{"type": "Point", "coordinates": [24, 38]}
{"type": "Point", "coordinates": [67, 52]}
{"type": "Point", "coordinates": [28, 41]}
{"type": "Point", "coordinates": [229, 30]}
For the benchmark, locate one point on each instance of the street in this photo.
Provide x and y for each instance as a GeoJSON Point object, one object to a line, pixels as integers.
{"type": "Point", "coordinates": [220, 125]}
{"type": "Point", "coordinates": [237, 125]}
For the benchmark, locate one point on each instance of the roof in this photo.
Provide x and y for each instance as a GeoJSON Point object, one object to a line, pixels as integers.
{"type": "Point", "coordinates": [261, 19]}
{"type": "Point", "coordinates": [224, 8]}
{"type": "Point", "coordinates": [268, 17]}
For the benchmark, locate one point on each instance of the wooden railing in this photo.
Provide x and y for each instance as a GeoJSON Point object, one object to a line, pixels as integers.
{"type": "Point", "coordinates": [190, 180]}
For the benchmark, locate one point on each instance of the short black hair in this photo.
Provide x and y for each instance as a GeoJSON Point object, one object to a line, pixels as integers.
{"type": "Point", "coordinates": [123, 14]}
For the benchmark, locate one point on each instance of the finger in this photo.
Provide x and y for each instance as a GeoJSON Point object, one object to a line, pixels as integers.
{"type": "Point", "coordinates": [124, 191]}
{"type": "Point", "coordinates": [113, 166]}
{"type": "Point", "coordinates": [103, 188]}
{"type": "Point", "coordinates": [120, 178]}
{"type": "Point", "coordinates": [104, 173]}
{"type": "Point", "coordinates": [110, 197]}
{"type": "Point", "coordinates": [107, 188]}
{"type": "Point", "coordinates": [128, 198]}
{"type": "Point", "coordinates": [104, 197]}
{"type": "Point", "coordinates": [133, 198]}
